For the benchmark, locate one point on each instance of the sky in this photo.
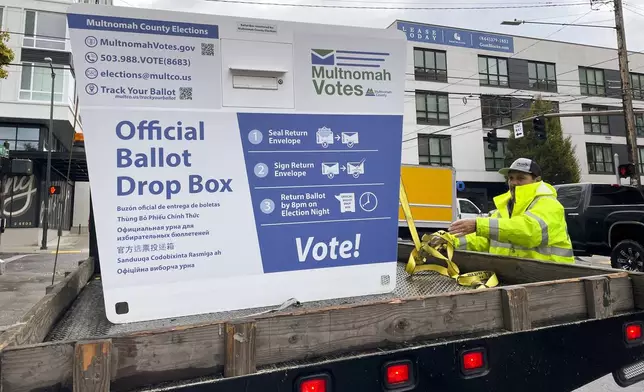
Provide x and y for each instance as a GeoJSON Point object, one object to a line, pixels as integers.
{"type": "Point", "coordinates": [476, 19]}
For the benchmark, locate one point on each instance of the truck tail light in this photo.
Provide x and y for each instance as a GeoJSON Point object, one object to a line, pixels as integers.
{"type": "Point", "coordinates": [314, 383]}
{"type": "Point", "coordinates": [398, 375]}
{"type": "Point", "coordinates": [474, 362]}
{"type": "Point", "coordinates": [633, 333]}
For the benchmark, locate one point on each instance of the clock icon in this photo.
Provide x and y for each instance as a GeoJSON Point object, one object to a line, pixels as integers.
{"type": "Point", "coordinates": [368, 201]}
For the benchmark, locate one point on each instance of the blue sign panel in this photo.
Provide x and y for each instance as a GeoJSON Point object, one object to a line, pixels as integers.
{"type": "Point", "coordinates": [327, 184]}
{"type": "Point", "coordinates": [454, 37]}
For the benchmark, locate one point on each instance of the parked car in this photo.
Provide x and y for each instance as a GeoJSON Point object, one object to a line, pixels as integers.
{"type": "Point", "coordinates": [467, 209]}
{"type": "Point", "coordinates": [606, 220]}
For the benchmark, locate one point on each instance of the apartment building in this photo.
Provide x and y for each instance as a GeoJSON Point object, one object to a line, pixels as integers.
{"type": "Point", "coordinates": [40, 41]}
{"type": "Point", "coordinates": [462, 83]}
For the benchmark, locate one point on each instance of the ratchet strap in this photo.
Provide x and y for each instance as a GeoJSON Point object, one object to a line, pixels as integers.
{"type": "Point", "coordinates": [435, 245]}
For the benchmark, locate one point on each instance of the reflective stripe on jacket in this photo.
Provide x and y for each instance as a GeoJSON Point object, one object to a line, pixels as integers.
{"type": "Point", "coordinates": [536, 230]}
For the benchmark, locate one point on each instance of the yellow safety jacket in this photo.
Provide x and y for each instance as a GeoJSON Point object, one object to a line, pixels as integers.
{"type": "Point", "coordinates": [536, 229]}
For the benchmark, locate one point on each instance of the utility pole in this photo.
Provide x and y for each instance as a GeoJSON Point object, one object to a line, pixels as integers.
{"type": "Point", "coordinates": [627, 94]}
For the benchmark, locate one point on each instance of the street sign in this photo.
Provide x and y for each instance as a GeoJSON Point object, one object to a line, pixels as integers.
{"type": "Point", "coordinates": [237, 168]}
{"type": "Point", "coordinates": [518, 130]}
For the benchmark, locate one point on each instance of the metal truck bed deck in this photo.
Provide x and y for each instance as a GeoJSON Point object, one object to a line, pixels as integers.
{"type": "Point", "coordinates": [86, 317]}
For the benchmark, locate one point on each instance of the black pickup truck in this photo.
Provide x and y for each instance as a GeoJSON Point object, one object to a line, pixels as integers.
{"type": "Point", "coordinates": [606, 220]}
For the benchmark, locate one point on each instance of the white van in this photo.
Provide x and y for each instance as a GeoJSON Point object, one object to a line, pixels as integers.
{"type": "Point", "coordinates": [467, 209]}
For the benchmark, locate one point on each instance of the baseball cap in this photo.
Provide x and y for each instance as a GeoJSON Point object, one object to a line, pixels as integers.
{"type": "Point", "coordinates": [523, 165]}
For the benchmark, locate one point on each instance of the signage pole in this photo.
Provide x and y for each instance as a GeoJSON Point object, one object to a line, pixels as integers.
{"type": "Point", "coordinates": [45, 218]}
{"type": "Point", "coordinates": [627, 97]}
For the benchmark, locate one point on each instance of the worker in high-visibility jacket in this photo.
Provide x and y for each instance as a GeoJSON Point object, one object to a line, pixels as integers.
{"type": "Point", "coordinates": [529, 221]}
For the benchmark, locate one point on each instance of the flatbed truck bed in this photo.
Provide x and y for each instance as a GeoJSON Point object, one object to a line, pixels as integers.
{"type": "Point", "coordinates": [540, 310]}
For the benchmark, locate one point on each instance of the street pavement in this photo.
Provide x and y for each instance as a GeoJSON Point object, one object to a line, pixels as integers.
{"type": "Point", "coordinates": [25, 278]}
{"type": "Point", "coordinates": [27, 275]}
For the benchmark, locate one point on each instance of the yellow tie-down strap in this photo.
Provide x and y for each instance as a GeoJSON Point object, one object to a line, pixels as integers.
{"type": "Point", "coordinates": [434, 245]}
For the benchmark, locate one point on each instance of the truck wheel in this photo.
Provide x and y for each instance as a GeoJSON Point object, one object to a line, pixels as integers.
{"type": "Point", "coordinates": [628, 255]}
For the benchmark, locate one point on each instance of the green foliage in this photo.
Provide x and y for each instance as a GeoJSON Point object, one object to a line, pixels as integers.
{"type": "Point", "coordinates": [6, 54]}
{"type": "Point", "coordinates": [555, 155]}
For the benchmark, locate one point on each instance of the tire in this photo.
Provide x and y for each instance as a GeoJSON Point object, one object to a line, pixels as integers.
{"type": "Point", "coordinates": [628, 255]}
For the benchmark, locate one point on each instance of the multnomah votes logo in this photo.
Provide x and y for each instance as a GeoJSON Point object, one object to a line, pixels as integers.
{"type": "Point", "coordinates": [343, 72]}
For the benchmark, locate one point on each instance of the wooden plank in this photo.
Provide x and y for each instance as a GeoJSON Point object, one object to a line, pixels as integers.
{"type": "Point", "coordinates": [47, 366]}
{"type": "Point", "coordinates": [598, 297]}
{"type": "Point", "coordinates": [565, 300]}
{"type": "Point", "coordinates": [315, 333]}
{"type": "Point", "coordinates": [513, 270]}
{"type": "Point", "coordinates": [92, 366]}
{"type": "Point", "coordinates": [39, 320]}
{"type": "Point", "coordinates": [638, 290]}
{"type": "Point", "coordinates": [137, 360]}
{"type": "Point", "coordinates": [516, 312]}
{"type": "Point", "coordinates": [240, 348]}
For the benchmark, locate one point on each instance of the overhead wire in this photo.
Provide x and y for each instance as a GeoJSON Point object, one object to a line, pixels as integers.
{"type": "Point", "coordinates": [299, 5]}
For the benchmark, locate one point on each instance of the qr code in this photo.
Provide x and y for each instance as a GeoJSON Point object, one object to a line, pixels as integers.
{"type": "Point", "coordinates": [207, 49]}
{"type": "Point", "coordinates": [185, 93]}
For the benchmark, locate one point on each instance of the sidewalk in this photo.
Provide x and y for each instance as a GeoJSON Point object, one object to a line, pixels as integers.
{"type": "Point", "coordinates": [25, 280]}
{"type": "Point", "coordinates": [69, 244]}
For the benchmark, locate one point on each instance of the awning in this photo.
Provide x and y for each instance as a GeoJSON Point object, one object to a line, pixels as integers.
{"type": "Point", "coordinates": [59, 161]}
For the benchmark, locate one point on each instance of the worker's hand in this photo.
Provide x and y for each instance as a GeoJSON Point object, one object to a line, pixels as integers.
{"type": "Point", "coordinates": [463, 227]}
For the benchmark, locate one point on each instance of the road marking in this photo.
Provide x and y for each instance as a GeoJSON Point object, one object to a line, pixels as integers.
{"type": "Point", "coordinates": [16, 257]}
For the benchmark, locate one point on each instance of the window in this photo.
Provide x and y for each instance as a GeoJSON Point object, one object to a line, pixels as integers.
{"type": "Point", "coordinates": [637, 85]}
{"type": "Point", "coordinates": [432, 108]}
{"type": "Point", "coordinates": [640, 153]}
{"type": "Point", "coordinates": [430, 64]}
{"type": "Point", "coordinates": [569, 196]}
{"type": "Point", "coordinates": [591, 81]}
{"type": "Point", "coordinates": [495, 161]}
{"type": "Point", "coordinates": [596, 124]}
{"type": "Point", "coordinates": [434, 150]}
{"type": "Point", "coordinates": [1, 15]}
{"type": "Point", "coordinates": [600, 158]}
{"type": "Point", "coordinates": [608, 195]}
{"type": "Point", "coordinates": [542, 76]}
{"type": "Point", "coordinates": [20, 138]}
{"type": "Point", "coordinates": [467, 207]}
{"type": "Point", "coordinates": [35, 84]}
{"type": "Point", "coordinates": [46, 30]}
{"type": "Point", "coordinates": [496, 111]}
{"type": "Point", "coordinates": [639, 125]}
{"type": "Point", "coordinates": [493, 71]}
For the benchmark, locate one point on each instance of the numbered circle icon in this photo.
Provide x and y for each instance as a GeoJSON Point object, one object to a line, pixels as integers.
{"type": "Point", "coordinates": [255, 136]}
{"type": "Point", "coordinates": [267, 206]}
{"type": "Point", "coordinates": [261, 170]}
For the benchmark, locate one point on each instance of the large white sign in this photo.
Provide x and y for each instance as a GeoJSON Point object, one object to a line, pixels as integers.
{"type": "Point", "coordinates": [238, 163]}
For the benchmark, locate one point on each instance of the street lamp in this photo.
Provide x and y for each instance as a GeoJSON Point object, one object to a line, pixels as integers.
{"type": "Point", "coordinates": [518, 22]}
{"type": "Point", "coordinates": [45, 219]}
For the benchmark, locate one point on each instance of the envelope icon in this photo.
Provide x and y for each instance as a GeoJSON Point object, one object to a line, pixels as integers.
{"type": "Point", "coordinates": [350, 138]}
{"type": "Point", "coordinates": [324, 136]}
{"type": "Point", "coordinates": [322, 57]}
{"type": "Point", "coordinates": [330, 169]}
{"type": "Point", "coordinates": [355, 168]}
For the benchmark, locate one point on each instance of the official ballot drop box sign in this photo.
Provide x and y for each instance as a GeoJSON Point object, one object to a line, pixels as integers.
{"type": "Point", "coordinates": [238, 163]}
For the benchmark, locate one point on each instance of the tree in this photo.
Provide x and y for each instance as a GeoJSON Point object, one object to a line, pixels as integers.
{"type": "Point", "coordinates": [6, 54]}
{"type": "Point", "coordinates": [556, 155]}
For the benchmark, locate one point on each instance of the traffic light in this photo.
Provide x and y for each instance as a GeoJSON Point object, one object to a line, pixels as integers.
{"type": "Point", "coordinates": [54, 190]}
{"type": "Point", "coordinates": [492, 141]}
{"type": "Point", "coordinates": [539, 127]}
{"type": "Point", "coordinates": [626, 170]}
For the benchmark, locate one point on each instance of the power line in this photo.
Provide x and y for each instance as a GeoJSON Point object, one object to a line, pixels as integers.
{"type": "Point", "coordinates": [248, 2]}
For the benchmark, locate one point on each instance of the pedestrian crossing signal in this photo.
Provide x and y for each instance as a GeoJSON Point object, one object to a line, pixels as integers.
{"type": "Point", "coordinates": [54, 190]}
{"type": "Point", "coordinates": [626, 170]}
